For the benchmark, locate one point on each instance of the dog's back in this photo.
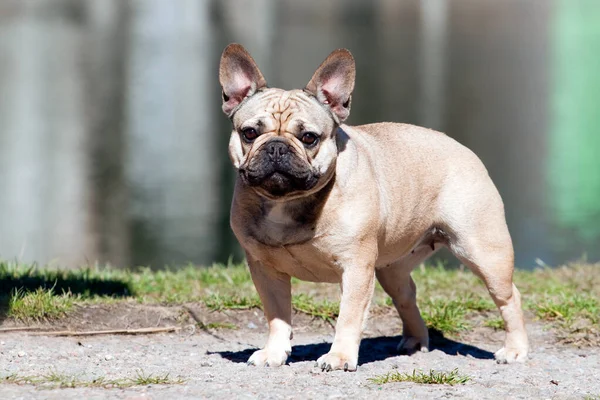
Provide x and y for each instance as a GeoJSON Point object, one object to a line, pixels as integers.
{"type": "Point", "coordinates": [425, 180]}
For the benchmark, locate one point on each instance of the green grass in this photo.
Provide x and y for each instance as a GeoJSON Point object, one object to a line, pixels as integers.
{"type": "Point", "coordinates": [447, 316]}
{"type": "Point", "coordinates": [566, 307]}
{"type": "Point", "coordinates": [142, 378]}
{"type": "Point", "coordinates": [41, 304]}
{"type": "Point", "coordinates": [566, 298]}
{"type": "Point", "coordinates": [323, 309]}
{"type": "Point", "coordinates": [59, 380]}
{"type": "Point", "coordinates": [430, 378]}
{"type": "Point", "coordinates": [219, 325]}
{"type": "Point", "coordinates": [477, 303]}
{"type": "Point", "coordinates": [494, 323]}
{"type": "Point", "coordinates": [219, 302]}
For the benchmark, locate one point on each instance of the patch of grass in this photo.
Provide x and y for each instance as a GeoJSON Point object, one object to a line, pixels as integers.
{"type": "Point", "coordinates": [478, 303]}
{"type": "Point", "coordinates": [566, 307]}
{"type": "Point", "coordinates": [438, 281]}
{"type": "Point", "coordinates": [39, 305]}
{"type": "Point", "coordinates": [433, 377]}
{"type": "Point", "coordinates": [324, 309]}
{"type": "Point", "coordinates": [219, 325]}
{"type": "Point", "coordinates": [143, 378]}
{"type": "Point", "coordinates": [496, 323]}
{"type": "Point", "coordinates": [219, 302]}
{"type": "Point", "coordinates": [58, 380]}
{"type": "Point", "coordinates": [85, 282]}
{"type": "Point", "coordinates": [171, 285]}
{"type": "Point", "coordinates": [190, 283]}
{"type": "Point", "coordinates": [445, 316]}
{"type": "Point", "coordinates": [565, 298]}
{"type": "Point", "coordinates": [574, 316]}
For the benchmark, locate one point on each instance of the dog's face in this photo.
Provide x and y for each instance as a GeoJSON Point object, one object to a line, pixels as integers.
{"type": "Point", "coordinates": [283, 143]}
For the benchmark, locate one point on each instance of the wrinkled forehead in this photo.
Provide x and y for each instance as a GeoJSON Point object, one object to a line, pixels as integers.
{"type": "Point", "coordinates": [278, 110]}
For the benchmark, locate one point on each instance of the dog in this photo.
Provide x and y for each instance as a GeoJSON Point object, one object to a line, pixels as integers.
{"type": "Point", "coordinates": [326, 202]}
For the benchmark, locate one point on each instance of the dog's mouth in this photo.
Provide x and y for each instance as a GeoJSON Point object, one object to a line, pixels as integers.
{"type": "Point", "coordinates": [277, 182]}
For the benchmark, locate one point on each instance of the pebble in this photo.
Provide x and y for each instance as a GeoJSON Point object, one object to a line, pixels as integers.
{"type": "Point", "coordinates": [108, 357]}
{"type": "Point", "coordinates": [206, 364]}
{"type": "Point", "coordinates": [252, 325]}
{"type": "Point", "coordinates": [21, 354]}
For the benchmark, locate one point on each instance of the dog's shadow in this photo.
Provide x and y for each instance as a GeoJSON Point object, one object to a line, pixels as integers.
{"type": "Point", "coordinates": [371, 349]}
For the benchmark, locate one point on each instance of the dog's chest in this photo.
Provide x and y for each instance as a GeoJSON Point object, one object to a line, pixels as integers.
{"type": "Point", "coordinates": [277, 227]}
{"type": "Point", "coordinates": [304, 261]}
{"type": "Point", "coordinates": [281, 241]}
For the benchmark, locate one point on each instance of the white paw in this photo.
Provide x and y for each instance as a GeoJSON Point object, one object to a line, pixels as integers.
{"type": "Point", "coordinates": [333, 361]}
{"type": "Point", "coordinates": [511, 355]}
{"type": "Point", "coordinates": [412, 344]}
{"type": "Point", "coordinates": [269, 357]}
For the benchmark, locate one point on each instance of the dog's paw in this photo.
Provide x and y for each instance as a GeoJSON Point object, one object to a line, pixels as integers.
{"type": "Point", "coordinates": [333, 361]}
{"type": "Point", "coordinates": [511, 355]}
{"type": "Point", "coordinates": [412, 344]}
{"type": "Point", "coordinates": [269, 357]}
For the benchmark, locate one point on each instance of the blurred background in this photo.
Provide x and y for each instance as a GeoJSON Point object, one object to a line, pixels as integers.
{"type": "Point", "coordinates": [113, 147]}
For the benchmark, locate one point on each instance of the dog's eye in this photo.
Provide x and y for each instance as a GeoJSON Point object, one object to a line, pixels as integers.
{"type": "Point", "coordinates": [249, 134]}
{"type": "Point", "coordinates": [310, 139]}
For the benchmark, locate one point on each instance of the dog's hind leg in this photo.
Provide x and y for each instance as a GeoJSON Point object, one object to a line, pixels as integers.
{"type": "Point", "coordinates": [490, 256]}
{"type": "Point", "coordinates": [399, 285]}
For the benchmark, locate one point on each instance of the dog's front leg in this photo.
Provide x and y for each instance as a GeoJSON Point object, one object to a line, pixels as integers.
{"type": "Point", "coordinates": [275, 291]}
{"type": "Point", "coordinates": [357, 291]}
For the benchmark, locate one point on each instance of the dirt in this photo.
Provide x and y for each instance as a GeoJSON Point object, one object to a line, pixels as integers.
{"type": "Point", "coordinates": [212, 361]}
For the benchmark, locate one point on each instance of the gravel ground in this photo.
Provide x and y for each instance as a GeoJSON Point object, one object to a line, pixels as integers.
{"type": "Point", "coordinates": [212, 363]}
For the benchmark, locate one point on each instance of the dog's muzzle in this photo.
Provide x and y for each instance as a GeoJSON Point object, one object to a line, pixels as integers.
{"type": "Point", "coordinates": [278, 170]}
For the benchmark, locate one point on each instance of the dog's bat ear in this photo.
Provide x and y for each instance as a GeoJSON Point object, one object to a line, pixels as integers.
{"type": "Point", "coordinates": [239, 76]}
{"type": "Point", "coordinates": [333, 83]}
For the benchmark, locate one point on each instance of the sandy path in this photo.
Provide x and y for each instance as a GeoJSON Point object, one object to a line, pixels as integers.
{"type": "Point", "coordinates": [213, 366]}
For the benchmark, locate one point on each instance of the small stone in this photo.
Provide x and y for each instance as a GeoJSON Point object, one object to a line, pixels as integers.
{"type": "Point", "coordinates": [206, 364]}
{"type": "Point", "coordinates": [252, 325]}
{"type": "Point", "coordinates": [108, 357]}
{"type": "Point", "coordinates": [21, 354]}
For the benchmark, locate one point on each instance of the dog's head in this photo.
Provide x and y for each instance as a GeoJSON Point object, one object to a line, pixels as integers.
{"type": "Point", "coordinates": [284, 142]}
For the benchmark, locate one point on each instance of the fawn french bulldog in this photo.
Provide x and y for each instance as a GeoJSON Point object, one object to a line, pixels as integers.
{"type": "Point", "coordinates": [327, 202]}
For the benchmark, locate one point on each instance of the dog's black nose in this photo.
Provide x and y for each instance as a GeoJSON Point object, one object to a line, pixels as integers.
{"type": "Point", "coordinates": [276, 149]}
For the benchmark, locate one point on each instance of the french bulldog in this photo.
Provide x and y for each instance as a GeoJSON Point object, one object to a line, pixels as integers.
{"type": "Point", "coordinates": [326, 202]}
